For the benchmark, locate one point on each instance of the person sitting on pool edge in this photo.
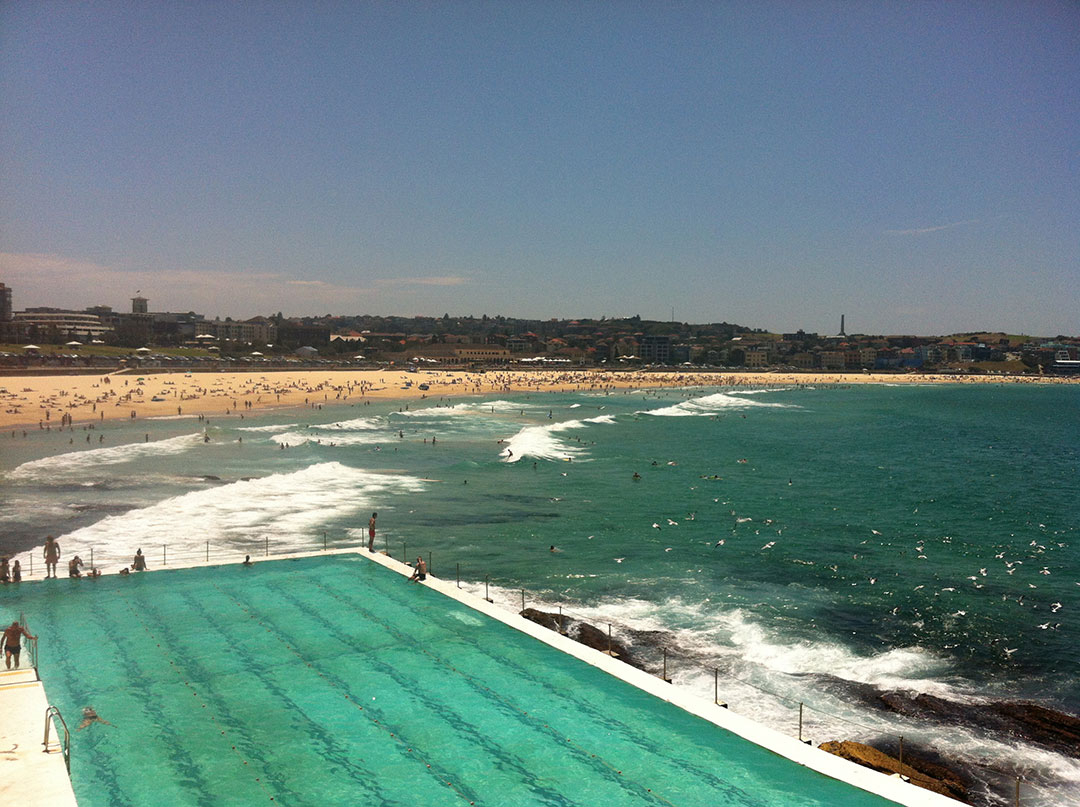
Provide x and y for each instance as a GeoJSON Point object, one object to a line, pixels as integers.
{"type": "Point", "coordinates": [73, 567]}
{"type": "Point", "coordinates": [420, 572]}
{"type": "Point", "coordinates": [138, 563]}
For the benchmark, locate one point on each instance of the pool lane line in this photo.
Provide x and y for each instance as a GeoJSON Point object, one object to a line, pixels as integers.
{"type": "Point", "coordinates": [617, 774]}
{"type": "Point", "coordinates": [635, 737]}
{"type": "Point", "coordinates": [194, 693]}
{"type": "Point", "coordinates": [338, 755]}
{"type": "Point", "coordinates": [386, 729]}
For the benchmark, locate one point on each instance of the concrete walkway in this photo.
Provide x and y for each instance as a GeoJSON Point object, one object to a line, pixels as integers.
{"type": "Point", "coordinates": [30, 774]}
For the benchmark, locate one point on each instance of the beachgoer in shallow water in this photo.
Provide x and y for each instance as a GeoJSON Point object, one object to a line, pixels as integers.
{"type": "Point", "coordinates": [52, 556]}
{"type": "Point", "coordinates": [16, 573]}
{"type": "Point", "coordinates": [91, 716]}
{"type": "Point", "coordinates": [138, 563]}
{"type": "Point", "coordinates": [248, 561]}
{"type": "Point", "coordinates": [12, 642]}
{"type": "Point", "coordinates": [420, 572]}
{"type": "Point", "coordinates": [371, 532]}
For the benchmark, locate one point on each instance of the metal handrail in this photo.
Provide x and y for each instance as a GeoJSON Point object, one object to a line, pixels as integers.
{"type": "Point", "coordinates": [53, 713]}
{"type": "Point", "coordinates": [31, 646]}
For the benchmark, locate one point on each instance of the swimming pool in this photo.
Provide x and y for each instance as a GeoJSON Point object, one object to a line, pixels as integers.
{"type": "Point", "coordinates": [333, 681]}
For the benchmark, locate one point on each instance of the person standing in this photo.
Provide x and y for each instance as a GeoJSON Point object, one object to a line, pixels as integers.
{"type": "Point", "coordinates": [12, 643]}
{"type": "Point", "coordinates": [371, 532]}
{"type": "Point", "coordinates": [52, 556]}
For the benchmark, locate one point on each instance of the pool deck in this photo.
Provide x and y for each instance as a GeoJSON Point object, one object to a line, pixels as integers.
{"type": "Point", "coordinates": [30, 774]}
{"type": "Point", "coordinates": [32, 778]}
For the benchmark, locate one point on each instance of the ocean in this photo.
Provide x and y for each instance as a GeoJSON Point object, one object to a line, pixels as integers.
{"type": "Point", "coordinates": [844, 548]}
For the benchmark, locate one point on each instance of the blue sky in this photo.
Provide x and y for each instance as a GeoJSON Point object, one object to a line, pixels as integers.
{"type": "Point", "coordinates": [915, 166]}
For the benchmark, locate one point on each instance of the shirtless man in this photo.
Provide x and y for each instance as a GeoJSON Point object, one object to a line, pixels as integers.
{"type": "Point", "coordinates": [371, 532]}
{"type": "Point", "coordinates": [420, 572]}
{"type": "Point", "coordinates": [52, 556]}
{"type": "Point", "coordinates": [12, 644]}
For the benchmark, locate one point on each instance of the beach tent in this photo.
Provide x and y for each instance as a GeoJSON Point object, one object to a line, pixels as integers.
{"type": "Point", "coordinates": [31, 347]}
{"type": "Point", "coordinates": [142, 350]}
{"type": "Point", "coordinates": [255, 353]}
{"type": "Point", "coordinates": [73, 343]}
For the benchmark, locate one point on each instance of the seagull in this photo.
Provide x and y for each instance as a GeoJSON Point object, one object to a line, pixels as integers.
{"type": "Point", "coordinates": [668, 549]}
{"type": "Point", "coordinates": [620, 560]}
{"type": "Point", "coordinates": [718, 543]}
{"type": "Point", "coordinates": [875, 532]}
{"type": "Point", "coordinates": [672, 523]}
{"type": "Point", "coordinates": [655, 526]}
{"type": "Point", "coordinates": [769, 545]}
{"type": "Point", "coordinates": [1010, 650]}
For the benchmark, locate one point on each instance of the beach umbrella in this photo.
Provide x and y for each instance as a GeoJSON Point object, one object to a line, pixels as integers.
{"type": "Point", "coordinates": [73, 343]}
{"type": "Point", "coordinates": [142, 350]}
{"type": "Point", "coordinates": [31, 347]}
{"type": "Point", "coordinates": [255, 353]}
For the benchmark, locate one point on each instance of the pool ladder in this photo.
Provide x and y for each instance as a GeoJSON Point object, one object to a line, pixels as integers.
{"type": "Point", "coordinates": [52, 714]}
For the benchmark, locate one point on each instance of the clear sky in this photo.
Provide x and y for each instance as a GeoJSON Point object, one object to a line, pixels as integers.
{"type": "Point", "coordinates": [914, 165]}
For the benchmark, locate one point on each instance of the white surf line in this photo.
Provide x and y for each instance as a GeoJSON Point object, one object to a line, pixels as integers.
{"type": "Point", "coordinates": [887, 787]}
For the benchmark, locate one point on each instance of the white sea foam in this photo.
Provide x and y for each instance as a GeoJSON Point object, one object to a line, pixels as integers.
{"type": "Point", "coordinates": [276, 427]}
{"type": "Point", "coordinates": [83, 461]}
{"type": "Point", "coordinates": [356, 424]}
{"type": "Point", "coordinates": [288, 509]}
{"type": "Point", "coordinates": [712, 404]}
{"type": "Point", "coordinates": [541, 442]}
{"type": "Point", "coordinates": [361, 438]}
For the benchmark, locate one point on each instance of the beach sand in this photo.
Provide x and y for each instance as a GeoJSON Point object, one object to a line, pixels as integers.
{"type": "Point", "coordinates": [51, 402]}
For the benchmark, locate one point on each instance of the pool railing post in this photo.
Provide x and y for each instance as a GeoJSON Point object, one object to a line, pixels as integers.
{"type": "Point", "coordinates": [562, 630]}
{"type": "Point", "coordinates": [163, 561]}
{"type": "Point", "coordinates": [404, 552]}
{"type": "Point", "coordinates": [523, 599]}
{"type": "Point", "coordinates": [266, 538]}
{"type": "Point", "coordinates": [1017, 791]}
{"type": "Point", "coordinates": [207, 551]}
{"type": "Point", "coordinates": [609, 640]}
{"type": "Point", "coordinates": [801, 740]}
{"type": "Point", "coordinates": [324, 540]}
{"type": "Point", "coordinates": [716, 688]}
{"type": "Point", "coordinates": [31, 564]}
{"type": "Point", "coordinates": [900, 768]}
{"type": "Point", "coordinates": [487, 581]}
{"type": "Point", "coordinates": [91, 557]}
{"type": "Point", "coordinates": [458, 573]}
{"type": "Point", "coordinates": [429, 562]}
{"type": "Point", "coordinates": [664, 677]}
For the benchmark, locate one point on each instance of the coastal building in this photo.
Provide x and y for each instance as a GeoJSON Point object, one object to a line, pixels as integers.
{"type": "Point", "coordinates": [655, 349]}
{"type": "Point", "coordinates": [5, 303]}
{"type": "Point", "coordinates": [56, 324]}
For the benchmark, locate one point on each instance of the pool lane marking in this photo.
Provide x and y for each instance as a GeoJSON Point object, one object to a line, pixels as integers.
{"type": "Point", "coordinates": [386, 729]}
{"type": "Point", "coordinates": [477, 684]}
{"type": "Point", "coordinates": [363, 776]}
{"type": "Point", "coordinates": [239, 756]}
{"type": "Point", "coordinates": [618, 774]}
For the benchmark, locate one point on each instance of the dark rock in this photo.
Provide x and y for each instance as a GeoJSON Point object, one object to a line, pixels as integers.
{"type": "Point", "coordinates": [922, 773]}
{"type": "Point", "coordinates": [588, 635]}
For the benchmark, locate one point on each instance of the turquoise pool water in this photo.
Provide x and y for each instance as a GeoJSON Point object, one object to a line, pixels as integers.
{"type": "Point", "coordinates": [331, 681]}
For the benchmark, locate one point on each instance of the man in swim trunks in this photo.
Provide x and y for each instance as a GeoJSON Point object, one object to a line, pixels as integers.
{"type": "Point", "coordinates": [420, 572]}
{"type": "Point", "coordinates": [52, 556]}
{"type": "Point", "coordinates": [12, 645]}
{"type": "Point", "coordinates": [371, 532]}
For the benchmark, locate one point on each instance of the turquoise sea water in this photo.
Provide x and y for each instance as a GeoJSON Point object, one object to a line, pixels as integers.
{"type": "Point", "coordinates": [333, 681]}
{"type": "Point", "coordinates": [813, 545]}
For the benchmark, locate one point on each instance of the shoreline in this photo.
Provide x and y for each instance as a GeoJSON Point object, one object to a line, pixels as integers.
{"type": "Point", "coordinates": [62, 401]}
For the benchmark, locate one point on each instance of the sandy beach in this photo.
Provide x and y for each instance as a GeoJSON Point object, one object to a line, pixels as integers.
{"type": "Point", "coordinates": [50, 402]}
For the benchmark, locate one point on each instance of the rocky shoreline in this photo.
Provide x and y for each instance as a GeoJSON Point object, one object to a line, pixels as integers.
{"type": "Point", "coordinates": [933, 769]}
